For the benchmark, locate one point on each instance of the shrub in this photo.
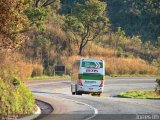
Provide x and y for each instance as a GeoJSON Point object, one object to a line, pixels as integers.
{"type": "Point", "coordinates": [14, 65]}
{"type": "Point", "coordinates": [157, 89]}
{"type": "Point", "coordinates": [15, 100]}
{"type": "Point", "coordinates": [37, 70]}
{"type": "Point", "coordinates": [24, 69]}
{"type": "Point", "coordinates": [94, 50]}
{"type": "Point", "coordinates": [122, 66]}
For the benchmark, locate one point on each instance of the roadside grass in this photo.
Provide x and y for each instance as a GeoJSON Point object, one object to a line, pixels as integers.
{"type": "Point", "coordinates": [141, 94]}
{"type": "Point", "coordinates": [48, 77]}
{"type": "Point", "coordinates": [134, 75]}
{"type": "Point", "coordinates": [119, 66]}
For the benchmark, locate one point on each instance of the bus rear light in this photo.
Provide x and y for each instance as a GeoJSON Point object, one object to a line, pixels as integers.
{"type": "Point", "coordinates": [80, 82]}
{"type": "Point", "coordinates": [102, 83]}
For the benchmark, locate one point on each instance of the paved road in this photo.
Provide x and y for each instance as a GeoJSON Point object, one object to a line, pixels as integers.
{"type": "Point", "coordinates": [106, 107]}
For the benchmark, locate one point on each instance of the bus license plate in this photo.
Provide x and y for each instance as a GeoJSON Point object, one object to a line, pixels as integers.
{"type": "Point", "coordinates": [90, 81]}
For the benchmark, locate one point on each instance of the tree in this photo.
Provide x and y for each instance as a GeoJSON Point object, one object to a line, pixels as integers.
{"type": "Point", "coordinates": [136, 17]}
{"type": "Point", "coordinates": [37, 16]}
{"type": "Point", "coordinates": [39, 9]}
{"type": "Point", "coordinates": [12, 23]}
{"type": "Point", "coordinates": [86, 22]}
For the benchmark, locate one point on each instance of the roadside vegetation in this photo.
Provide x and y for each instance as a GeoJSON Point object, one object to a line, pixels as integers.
{"type": "Point", "coordinates": [140, 94]}
{"type": "Point", "coordinates": [120, 66]}
{"type": "Point", "coordinates": [157, 89]}
{"type": "Point", "coordinates": [15, 98]}
{"type": "Point", "coordinates": [48, 77]}
{"type": "Point", "coordinates": [143, 94]}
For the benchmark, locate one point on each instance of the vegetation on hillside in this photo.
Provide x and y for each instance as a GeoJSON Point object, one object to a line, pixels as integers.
{"type": "Point", "coordinates": [64, 31]}
{"type": "Point", "coordinates": [47, 33]}
{"type": "Point", "coordinates": [136, 17]}
{"type": "Point", "coordinates": [15, 97]}
{"type": "Point", "coordinates": [85, 23]}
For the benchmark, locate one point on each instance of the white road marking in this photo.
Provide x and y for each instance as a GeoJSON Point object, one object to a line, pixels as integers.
{"type": "Point", "coordinates": [91, 107]}
{"type": "Point", "coordinates": [95, 110]}
{"type": "Point", "coordinates": [133, 102]}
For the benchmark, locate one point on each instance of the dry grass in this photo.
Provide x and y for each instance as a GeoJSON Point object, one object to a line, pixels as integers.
{"type": "Point", "coordinates": [37, 70]}
{"type": "Point", "coordinates": [118, 66]}
{"type": "Point", "coordinates": [24, 69]}
{"type": "Point", "coordinates": [93, 50]}
{"type": "Point", "coordinates": [129, 66]}
{"type": "Point", "coordinates": [14, 65]}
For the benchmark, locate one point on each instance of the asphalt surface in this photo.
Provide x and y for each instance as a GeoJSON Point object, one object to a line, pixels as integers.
{"type": "Point", "coordinates": [106, 107]}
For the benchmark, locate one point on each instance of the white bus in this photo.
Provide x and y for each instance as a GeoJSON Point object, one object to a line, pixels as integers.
{"type": "Point", "coordinates": [87, 77]}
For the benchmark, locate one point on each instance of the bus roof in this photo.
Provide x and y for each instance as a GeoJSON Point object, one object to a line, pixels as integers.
{"type": "Point", "coordinates": [89, 59]}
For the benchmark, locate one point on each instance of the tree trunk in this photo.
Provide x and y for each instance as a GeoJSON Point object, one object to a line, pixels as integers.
{"type": "Point", "coordinates": [80, 50]}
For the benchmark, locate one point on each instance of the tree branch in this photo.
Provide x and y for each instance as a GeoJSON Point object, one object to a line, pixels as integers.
{"type": "Point", "coordinates": [48, 3]}
{"type": "Point", "coordinates": [36, 3]}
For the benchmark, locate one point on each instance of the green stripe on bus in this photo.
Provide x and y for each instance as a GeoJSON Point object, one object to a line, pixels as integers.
{"type": "Point", "coordinates": [91, 77]}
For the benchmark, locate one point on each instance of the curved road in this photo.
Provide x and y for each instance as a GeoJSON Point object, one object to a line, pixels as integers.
{"type": "Point", "coordinates": [106, 107]}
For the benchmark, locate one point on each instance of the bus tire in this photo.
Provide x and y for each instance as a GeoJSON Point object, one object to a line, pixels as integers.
{"type": "Point", "coordinates": [78, 93]}
{"type": "Point", "coordinates": [99, 94]}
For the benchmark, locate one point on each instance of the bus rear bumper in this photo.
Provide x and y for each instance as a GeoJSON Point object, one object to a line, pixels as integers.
{"type": "Point", "coordinates": [90, 89]}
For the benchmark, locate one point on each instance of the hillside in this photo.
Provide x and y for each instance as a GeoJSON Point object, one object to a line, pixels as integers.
{"type": "Point", "coordinates": [136, 18]}
{"type": "Point", "coordinates": [119, 31]}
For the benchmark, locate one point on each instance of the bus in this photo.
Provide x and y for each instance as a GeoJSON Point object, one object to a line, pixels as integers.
{"type": "Point", "coordinates": [87, 76]}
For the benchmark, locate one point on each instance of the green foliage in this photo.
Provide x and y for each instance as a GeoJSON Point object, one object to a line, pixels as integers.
{"type": "Point", "coordinates": [86, 22]}
{"type": "Point", "coordinates": [157, 89]}
{"type": "Point", "coordinates": [140, 94]}
{"type": "Point", "coordinates": [155, 63]}
{"type": "Point", "coordinates": [42, 46]}
{"type": "Point", "coordinates": [15, 100]}
{"type": "Point", "coordinates": [136, 17]}
{"type": "Point", "coordinates": [15, 81]}
{"type": "Point", "coordinates": [67, 5]}
{"type": "Point", "coordinates": [37, 16]}
{"type": "Point", "coordinates": [41, 41]}
{"type": "Point", "coordinates": [28, 103]}
{"type": "Point", "coordinates": [158, 41]}
{"type": "Point", "coordinates": [118, 39]}
{"type": "Point", "coordinates": [83, 21]}
{"type": "Point", "coordinates": [136, 41]}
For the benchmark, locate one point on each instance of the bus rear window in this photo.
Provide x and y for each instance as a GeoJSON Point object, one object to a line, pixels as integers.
{"type": "Point", "coordinates": [88, 64]}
